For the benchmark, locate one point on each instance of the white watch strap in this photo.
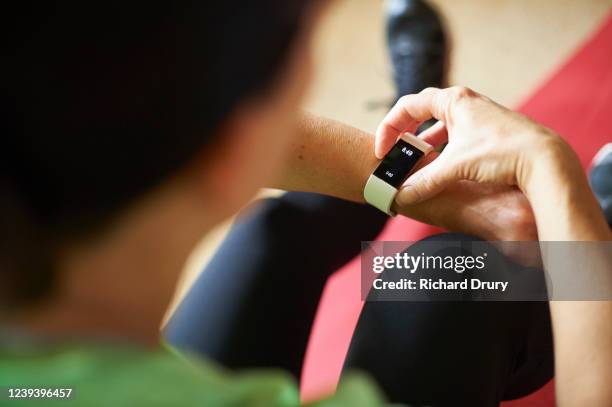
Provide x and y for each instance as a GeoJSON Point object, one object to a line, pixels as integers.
{"type": "Point", "coordinates": [379, 194]}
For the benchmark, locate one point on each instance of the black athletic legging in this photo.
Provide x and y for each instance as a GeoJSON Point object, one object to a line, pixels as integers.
{"type": "Point", "coordinates": [254, 304]}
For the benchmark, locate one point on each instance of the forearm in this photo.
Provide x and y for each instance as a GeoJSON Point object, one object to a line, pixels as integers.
{"type": "Point", "coordinates": [328, 157]}
{"type": "Point", "coordinates": [563, 203]}
{"type": "Point", "coordinates": [566, 210]}
{"type": "Point", "coordinates": [332, 158]}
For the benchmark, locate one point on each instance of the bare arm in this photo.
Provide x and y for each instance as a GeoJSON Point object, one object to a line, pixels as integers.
{"type": "Point", "coordinates": [566, 210]}
{"type": "Point", "coordinates": [330, 158]}
{"type": "Point", "coordinates": [333, 158]}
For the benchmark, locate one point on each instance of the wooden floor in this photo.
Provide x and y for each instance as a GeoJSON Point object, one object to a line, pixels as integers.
{"type": "Point", "coordinates": [502, 48]}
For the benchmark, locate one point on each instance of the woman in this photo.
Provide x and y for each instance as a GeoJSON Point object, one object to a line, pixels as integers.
{"type": "Point", "coordinates": [130, 132]}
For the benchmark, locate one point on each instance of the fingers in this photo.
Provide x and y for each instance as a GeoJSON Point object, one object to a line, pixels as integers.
{"type": "Point", "coordinates": [395, 123]}
{"type": "Point", "coordinates": [426, 160]}
{"type": "Point", "coordinates": [408, 112]}
{"type": "Point", "coordinates": [427, 182]}
{"type": "Point", "coordinates": [436, 134]}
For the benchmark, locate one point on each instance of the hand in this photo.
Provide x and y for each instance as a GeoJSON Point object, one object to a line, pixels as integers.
{"type": "Point", "coordinates": [487, 143]}
{"type": "Point", "coordinates": [491, 212]}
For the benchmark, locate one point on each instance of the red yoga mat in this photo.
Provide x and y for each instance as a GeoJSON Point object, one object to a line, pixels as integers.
{"type": "Point", "coordinates": [577, 103]}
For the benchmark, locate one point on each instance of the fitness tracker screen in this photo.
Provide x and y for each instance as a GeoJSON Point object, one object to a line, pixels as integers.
{"type": "Point", "coordinates": [398, 163]}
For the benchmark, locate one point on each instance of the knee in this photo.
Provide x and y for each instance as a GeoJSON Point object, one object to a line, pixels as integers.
{"type": "Point", "coordinates": [415, 348]}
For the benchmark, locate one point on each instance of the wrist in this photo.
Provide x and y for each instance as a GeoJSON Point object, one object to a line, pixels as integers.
{"type": "Point", "coordinates": [562, 201]}
{"type": "Point", "coordinates": [550, 164]}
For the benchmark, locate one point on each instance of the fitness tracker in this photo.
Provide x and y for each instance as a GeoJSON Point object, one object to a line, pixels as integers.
{"type": "Point", "coordinates": [383, 184]}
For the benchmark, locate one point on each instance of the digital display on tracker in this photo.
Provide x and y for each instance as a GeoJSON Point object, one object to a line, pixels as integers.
{"type": "Point", "coordinates": [398, 163]}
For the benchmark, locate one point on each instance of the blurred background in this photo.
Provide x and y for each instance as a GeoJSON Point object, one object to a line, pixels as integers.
{"type": "Point", "coordinates": [501, 48]}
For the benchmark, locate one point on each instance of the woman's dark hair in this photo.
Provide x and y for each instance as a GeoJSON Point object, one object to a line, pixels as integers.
{"type": "Point", "coordinates": [101, 100]}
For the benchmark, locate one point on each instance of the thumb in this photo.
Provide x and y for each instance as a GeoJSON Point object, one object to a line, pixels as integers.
{"type": "Point", "coordinates": [426, 182]}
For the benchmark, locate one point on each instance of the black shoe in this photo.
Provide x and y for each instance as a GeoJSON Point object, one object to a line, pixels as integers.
{"type": "Point", "coordinates": [601, 180]}
{"type": "Point", "coordinates": [417, 46]}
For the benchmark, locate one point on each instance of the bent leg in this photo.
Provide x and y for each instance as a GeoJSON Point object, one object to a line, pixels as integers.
{"type": "Point", "coordinates": [254, 303]}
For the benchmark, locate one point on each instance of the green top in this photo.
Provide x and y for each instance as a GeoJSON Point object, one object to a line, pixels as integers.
{"type": "Point", "coordinates": [129, 376]}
